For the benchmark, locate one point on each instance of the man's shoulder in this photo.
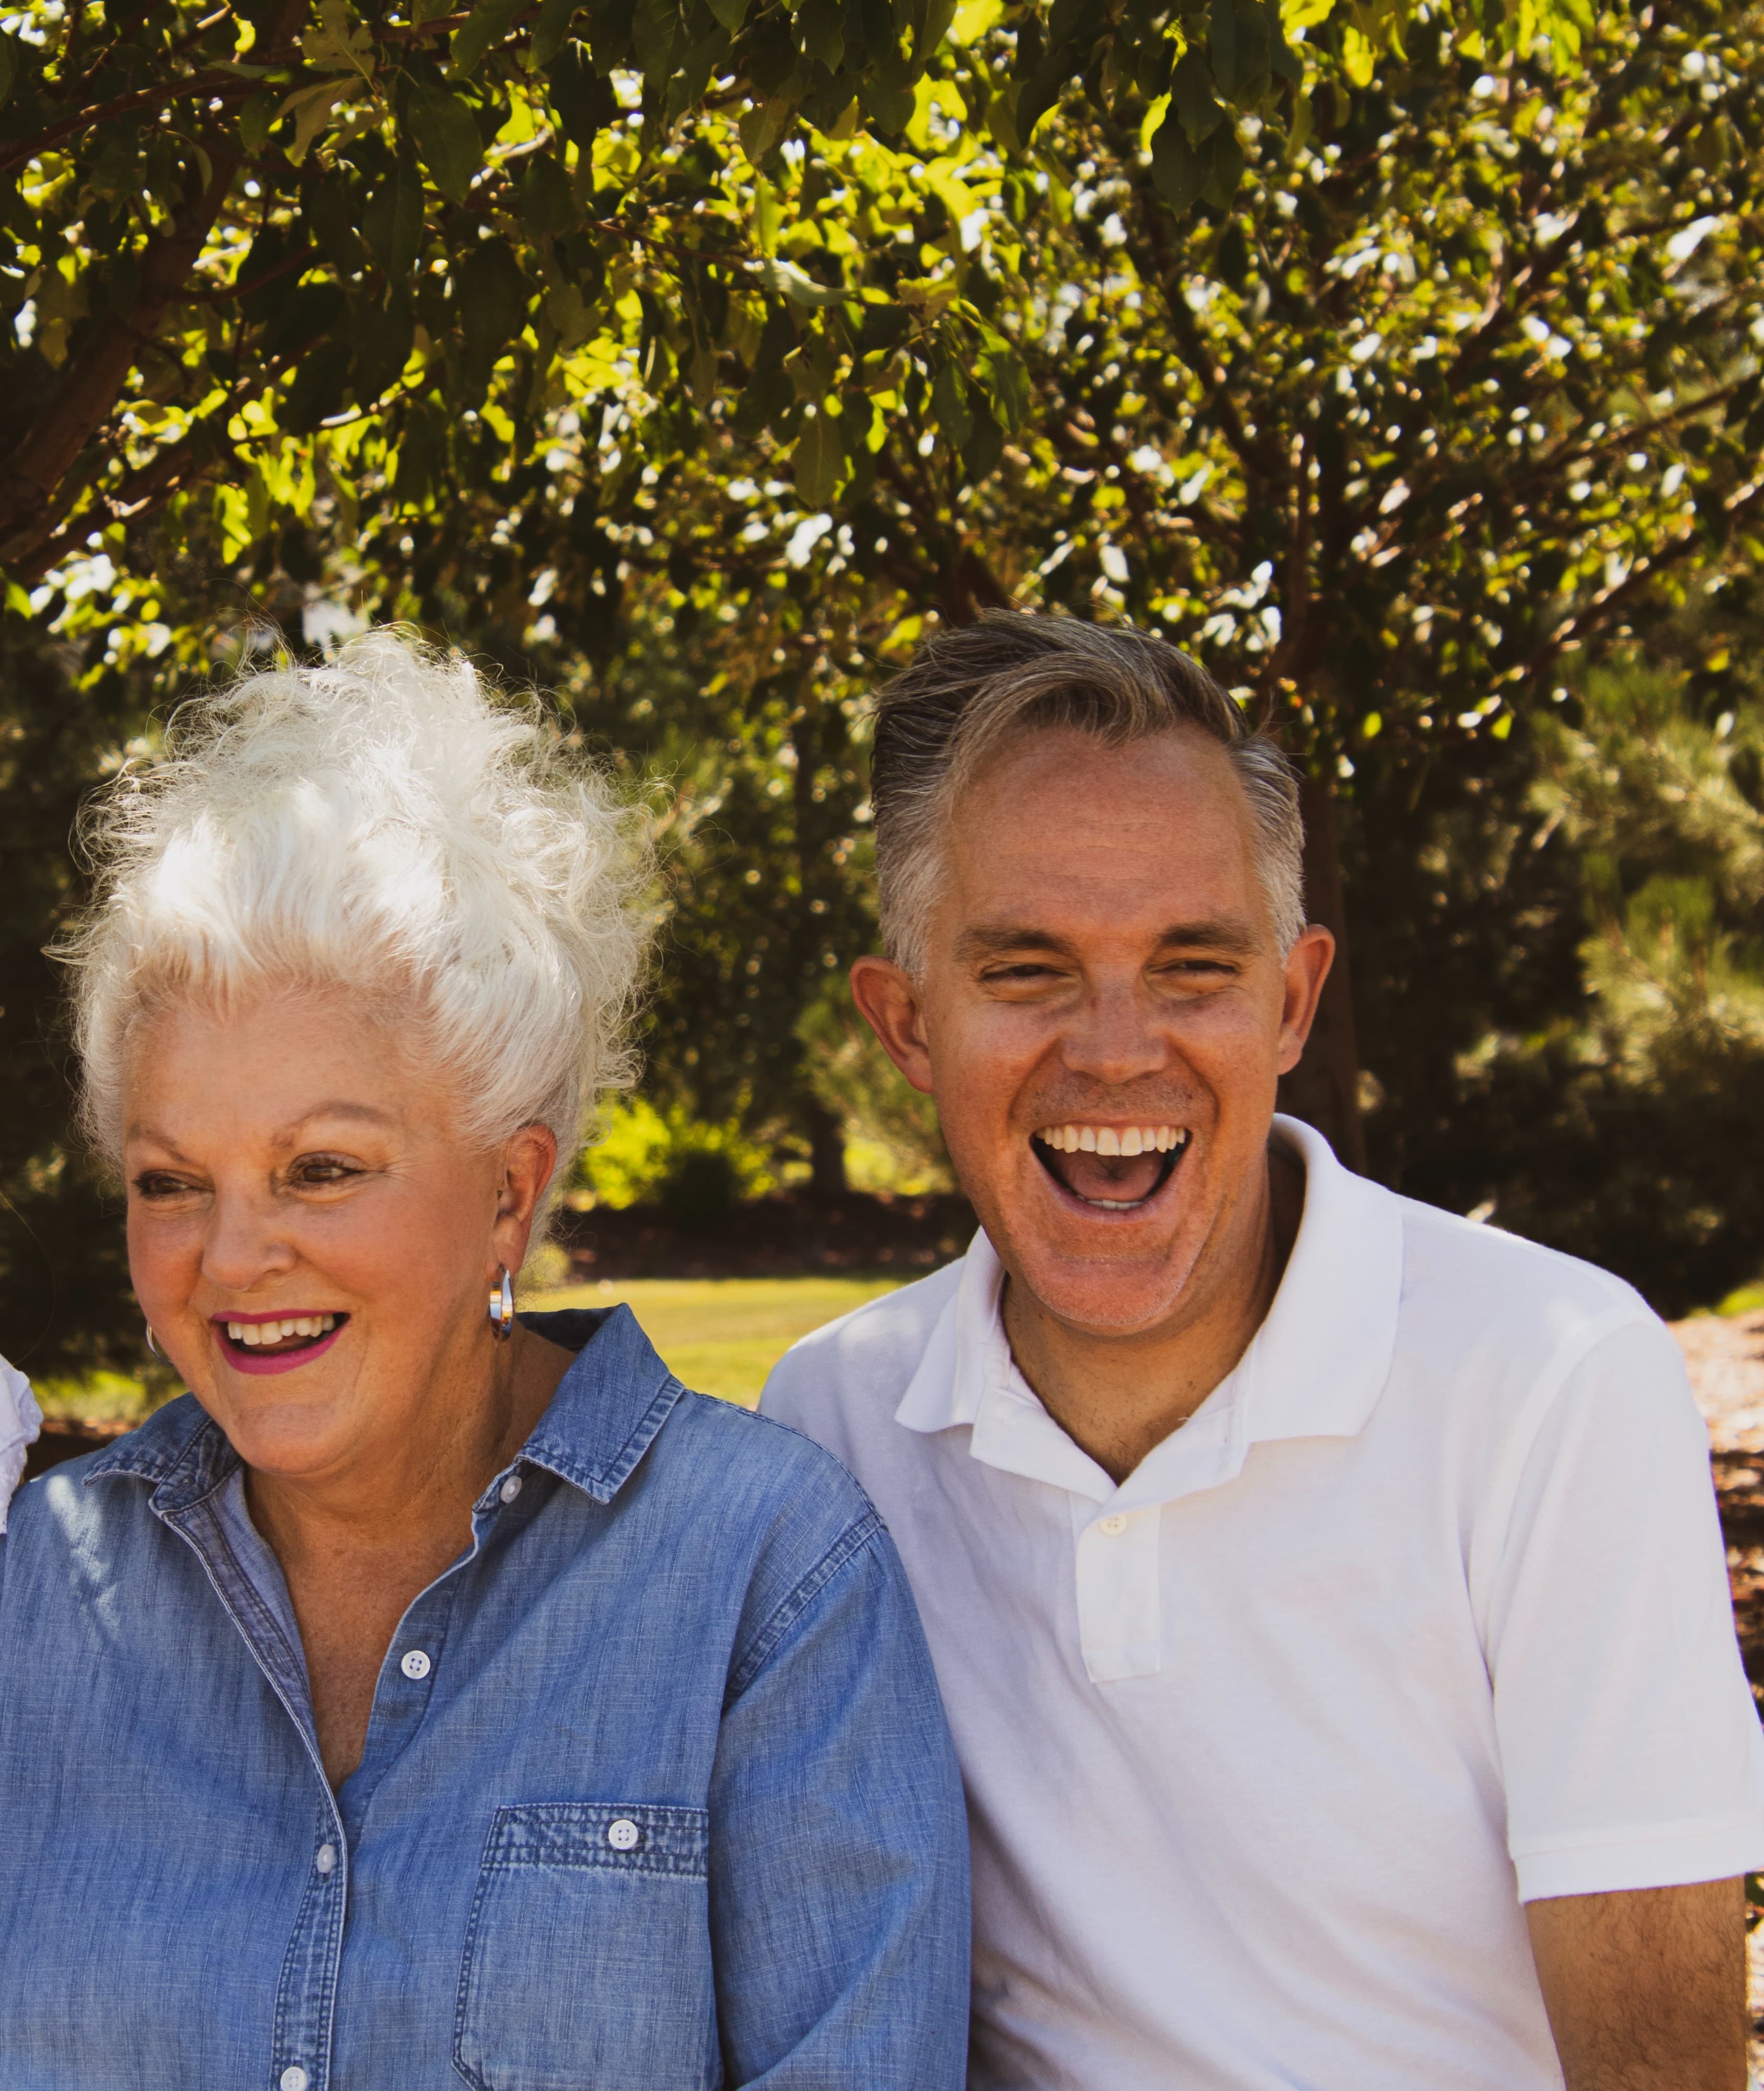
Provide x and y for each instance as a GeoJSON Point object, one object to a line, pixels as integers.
{"type": "Point", "coordinates": [1442, 1247]}
{"type": "Point", "coordinates": [865, 1359]}
{"type": "Point", "coordinates": [1478, 1292]}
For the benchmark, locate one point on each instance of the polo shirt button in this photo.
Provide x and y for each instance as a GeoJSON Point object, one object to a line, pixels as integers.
{"type": "Point", "coordinates": [326, 1858]}
{"type": "Point", "coordinates": [295, 2078]}
{"type": "Point", "coordinates": [624, 1835]}
{"type": "Point", "coordinates": [1114, 1524]}
{"type": "Point", "coordinates": [510, 1488]}
{"type": "Point", "coordinates": [415, 1664]}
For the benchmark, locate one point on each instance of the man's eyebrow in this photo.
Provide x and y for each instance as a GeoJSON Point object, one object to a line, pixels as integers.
{"type": "Point", "coordinates": [989, 940]}
{"type": "Point", "coordinates": [1230, 934]}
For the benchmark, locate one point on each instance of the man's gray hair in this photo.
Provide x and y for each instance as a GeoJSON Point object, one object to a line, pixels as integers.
{"type": "Point", "coordinates": [972, 693]}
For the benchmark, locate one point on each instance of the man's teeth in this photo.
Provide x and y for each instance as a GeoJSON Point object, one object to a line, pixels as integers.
{"type": "Point", "coordinates": [1114, 1140]}
{"type": "Point", "coordinates": [253, 1333]}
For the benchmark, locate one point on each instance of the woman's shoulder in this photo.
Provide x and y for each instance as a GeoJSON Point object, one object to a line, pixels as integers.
{"type": "Point", "coordinates": [763, 1466]}
{"type": "Point", "coordinates": [61, 1509]}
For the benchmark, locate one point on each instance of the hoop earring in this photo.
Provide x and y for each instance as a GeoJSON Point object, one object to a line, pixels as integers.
{"type": "Point", "coordinates": [153, 1344]}
{"type": "Point", "coordinates": [502, 1308]}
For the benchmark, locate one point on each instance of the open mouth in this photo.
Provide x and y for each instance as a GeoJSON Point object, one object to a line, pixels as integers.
{"type": "Point", "coordinates": [1110, 1168]}
{"type": "Point", "coordinates": [276, 1342]}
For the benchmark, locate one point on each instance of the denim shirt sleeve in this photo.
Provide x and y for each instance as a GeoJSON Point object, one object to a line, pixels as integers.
{"type": "Point", "coordinates": [839, 1861]}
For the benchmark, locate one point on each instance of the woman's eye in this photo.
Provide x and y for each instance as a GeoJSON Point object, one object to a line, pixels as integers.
{"type": "Point", "coordinates": [321, 1169]}
{"type": "Point", "coordinates": [151, 1184]}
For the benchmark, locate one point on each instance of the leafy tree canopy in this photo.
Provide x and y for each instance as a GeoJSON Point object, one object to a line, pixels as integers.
{"type": "Point", "coordinates": [283, 249]}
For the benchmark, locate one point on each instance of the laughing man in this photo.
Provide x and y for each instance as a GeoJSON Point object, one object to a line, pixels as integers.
{"type": "Point", "coordinates": [1327, 1594]}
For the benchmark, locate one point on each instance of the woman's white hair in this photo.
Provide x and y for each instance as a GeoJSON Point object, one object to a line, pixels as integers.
{"type": "Point", "coordinates": [378, 826]}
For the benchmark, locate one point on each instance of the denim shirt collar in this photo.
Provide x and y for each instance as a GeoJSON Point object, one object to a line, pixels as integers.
{"type": "Point", "coordinates": [602, 1419]}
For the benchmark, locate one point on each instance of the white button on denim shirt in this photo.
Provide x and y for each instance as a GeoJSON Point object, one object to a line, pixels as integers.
{"type": "Point", "coordinates": [667, 1802]}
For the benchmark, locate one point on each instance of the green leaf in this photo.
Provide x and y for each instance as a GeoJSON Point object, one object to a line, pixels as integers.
{"type": "Point", "coordinates": [890, 109]}
{"type": "Point", "coordinates": [379, 339]}
{"type": "Point", "coordinates": [1197, 108]}
{"type": "Point", "coordinates": [655, 32]}
{"type": "Point", "coordinates": [1040, 92]}
{"type": "Point", "coordinates": [447, 139]}
{"type": "Point", "coordinates": [584, 102]}
{"type": "Point", "coordinates": [786, 280]}
{"type": "Point", "coordinates": [815, 460]}
{"type": "Point", "coordinates": [1284, 62]}
{"type": "Point", "coordinates": [391, 224]}
{"type": "Point", "coordinates": [303, 317]}
{"type": "Point", "coordinates": [338, 43]}
{"type": "Point", "coordinates": [488, 24]}
{"type": "Point", "coordinates": [984, 449]}
{"type": "Point", "coordinates": [551, 29]}
{"type": "Point", "coordinates": [821, 30]}
{"type": "Point", "coordinates": [730, 13]}
{"type": "Point", "coordinates": [255, 119]}
{"type": "Point", "coordinates": [764, 126]}
{"type": "Point", "coordinates": [318, 391]}
{"type": "Point", "coordinates": [1224, 167]}
{"type": "Point", "coordinates": [548, 203]}
{"type": "Point", "coordinates": [1224, 44]}
{"type": "Point", "coordinates": [1176, 167]}
{"type": "Point", "coordinates": [949, 400]}
{"type": "Point", "coordinates": [1005, 377]}
{"type": "Point", "coordinates": [493, 296]}
{"type": "Point", "coordinates": [421, 455]}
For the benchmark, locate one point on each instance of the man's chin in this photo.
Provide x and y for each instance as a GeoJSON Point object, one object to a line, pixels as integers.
{"type": "Point", "coordinates": [1119, 1295]}
{"type": "Point", "coordinates": [1111, 1273]}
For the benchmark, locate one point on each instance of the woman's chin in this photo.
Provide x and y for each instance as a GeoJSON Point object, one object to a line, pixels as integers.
{"type": "Point", "coordinates": [278, 1429]}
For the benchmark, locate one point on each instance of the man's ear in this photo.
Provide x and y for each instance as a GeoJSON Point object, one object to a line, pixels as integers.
{"type": "Point", "coordinates": [889, 1001]}
{"type": "Point", "coordinates": [1307, 968]}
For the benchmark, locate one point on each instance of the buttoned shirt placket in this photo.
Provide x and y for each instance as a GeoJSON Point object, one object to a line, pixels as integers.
{"type": "Point", "coordinates": [1116, 1530]}
{"type": "Point", "coordinates": [306, 1995]}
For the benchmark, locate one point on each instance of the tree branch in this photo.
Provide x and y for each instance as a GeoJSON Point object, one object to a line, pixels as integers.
{"type": "Point", "coordinates": [32, 478]}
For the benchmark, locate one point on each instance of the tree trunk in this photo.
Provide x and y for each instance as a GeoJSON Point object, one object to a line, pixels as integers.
{"type": "Point", "coordinates": [1324, 1088]}
{"type": "Point", "coordinates": [826, 1151]}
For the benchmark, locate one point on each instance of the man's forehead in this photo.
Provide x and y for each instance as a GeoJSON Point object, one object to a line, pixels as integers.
{"type": "Point", "coordinates": [1068, 838]}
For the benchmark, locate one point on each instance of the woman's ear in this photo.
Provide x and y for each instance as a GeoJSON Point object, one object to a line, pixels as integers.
{"type": "Point", "coordinates": [529, 1161]}
{"type": "Point", "coordinates": [889, 999]}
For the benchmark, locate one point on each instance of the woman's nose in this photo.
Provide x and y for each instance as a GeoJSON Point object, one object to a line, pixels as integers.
{"type": "Point", "coordinates": [243, 1245]}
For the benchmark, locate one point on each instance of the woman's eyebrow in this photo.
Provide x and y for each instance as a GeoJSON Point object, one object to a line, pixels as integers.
{"type": "Point", "coordinates": [340, 1108]}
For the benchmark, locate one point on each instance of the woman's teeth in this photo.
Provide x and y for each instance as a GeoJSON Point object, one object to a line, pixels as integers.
{"type": "Point", "coordinates": [253, 1334]}
{"type": "Point", "coordinates": [1114, 1140]}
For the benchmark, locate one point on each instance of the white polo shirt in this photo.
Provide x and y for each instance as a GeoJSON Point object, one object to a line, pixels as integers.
{"type": "Point", "coordinates": [1423, 1612]}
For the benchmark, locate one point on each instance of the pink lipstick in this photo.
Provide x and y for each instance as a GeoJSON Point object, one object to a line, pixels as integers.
{"type": "Point", "coordinates": [299, 1346]}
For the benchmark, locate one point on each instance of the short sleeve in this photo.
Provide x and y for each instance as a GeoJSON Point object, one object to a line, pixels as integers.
{"type": "Point", "coordinates": [1630, 1749]}
{"type": "Point", "coordinates": [21, 1421]}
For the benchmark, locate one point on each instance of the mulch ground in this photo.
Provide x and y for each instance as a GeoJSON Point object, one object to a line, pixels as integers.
{"type": "Point", "coordinates": [1726, 1360]}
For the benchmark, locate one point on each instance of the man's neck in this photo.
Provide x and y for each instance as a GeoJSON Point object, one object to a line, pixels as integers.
{"type": "Point", "coordinates": [1118, 1398]}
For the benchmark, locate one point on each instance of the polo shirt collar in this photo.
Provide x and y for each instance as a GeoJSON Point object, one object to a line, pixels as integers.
{"type": "Point", "coordinates": [602, 1419]}
{"type": "Point", "coordinates": [1315, 1369]}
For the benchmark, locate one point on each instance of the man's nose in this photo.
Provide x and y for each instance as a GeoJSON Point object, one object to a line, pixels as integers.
{"type": "Point", "coordinates": [244, 1245]}
{"type": "Point", "coordinates": [1115, 1037]}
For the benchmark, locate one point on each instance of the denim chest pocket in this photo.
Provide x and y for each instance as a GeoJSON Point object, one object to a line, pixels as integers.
{"type": "Point", "coordinates": [587, 1960]}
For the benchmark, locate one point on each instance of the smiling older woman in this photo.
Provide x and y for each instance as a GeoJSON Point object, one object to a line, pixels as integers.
{"type": "Point", "coordinates": [430, 1693]}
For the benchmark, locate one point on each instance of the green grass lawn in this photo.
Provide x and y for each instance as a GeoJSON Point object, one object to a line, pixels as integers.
{"type": "Point", "coordinates": [723, 1335]}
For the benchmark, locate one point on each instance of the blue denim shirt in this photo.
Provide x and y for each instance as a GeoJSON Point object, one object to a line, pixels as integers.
{"type": "Point", "coordinates": [656, 1791]}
